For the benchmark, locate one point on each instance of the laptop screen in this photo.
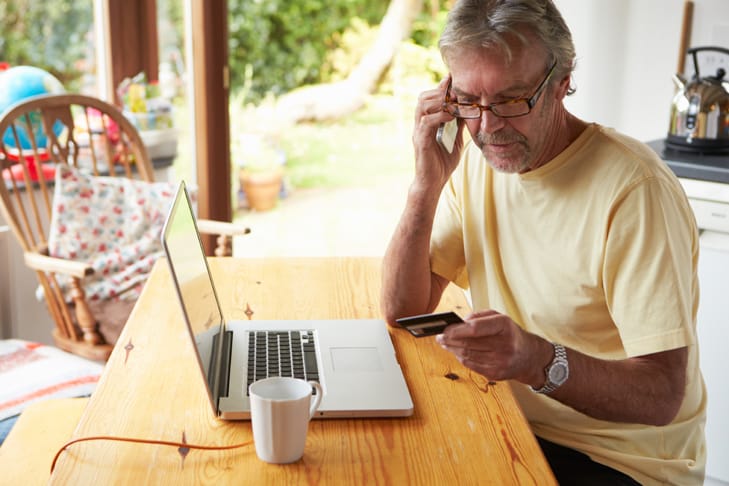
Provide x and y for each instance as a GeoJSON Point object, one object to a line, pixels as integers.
{"type": "Point", "coordinates": [195, 289]}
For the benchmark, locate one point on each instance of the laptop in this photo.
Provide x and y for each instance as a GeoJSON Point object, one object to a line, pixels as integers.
{"type": "Point", "coordinates": [352, 359]}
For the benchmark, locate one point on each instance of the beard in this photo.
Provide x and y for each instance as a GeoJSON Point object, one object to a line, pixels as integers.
{"type": "Point", "coordinates": [505, 152]}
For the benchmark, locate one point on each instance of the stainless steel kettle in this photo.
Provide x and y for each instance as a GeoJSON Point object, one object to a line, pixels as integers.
{"type": "Point", "coordinates": [700, 109]}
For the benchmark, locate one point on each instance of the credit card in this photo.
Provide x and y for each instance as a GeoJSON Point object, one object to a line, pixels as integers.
{"type": "Point", "coordinates": [429, 324]}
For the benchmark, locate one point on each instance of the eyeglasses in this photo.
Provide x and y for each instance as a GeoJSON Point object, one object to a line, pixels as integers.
{"type": "Point", "coordinates": [502, 109]}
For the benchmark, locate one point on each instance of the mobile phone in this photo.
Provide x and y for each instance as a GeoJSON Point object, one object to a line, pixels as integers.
{"type": "Point", "coordinates": [429, 324]}
{"type": "Point", "coordinates": [446, 135]}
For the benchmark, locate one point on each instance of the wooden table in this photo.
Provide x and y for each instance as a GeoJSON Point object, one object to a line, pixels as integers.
{"type": "Point", "coordinates": [463, 431]}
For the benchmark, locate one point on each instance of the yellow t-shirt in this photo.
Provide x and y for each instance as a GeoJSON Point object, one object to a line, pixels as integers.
{"type": "Point", "coordinates": [596, 250]}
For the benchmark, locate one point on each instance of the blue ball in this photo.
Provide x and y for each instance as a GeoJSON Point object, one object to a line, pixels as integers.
{"type": "Point", "coordinates": [18, 83]}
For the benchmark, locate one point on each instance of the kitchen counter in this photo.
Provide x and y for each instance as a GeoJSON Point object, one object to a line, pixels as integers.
{"type": "Point", "coordinates": [692, 165]}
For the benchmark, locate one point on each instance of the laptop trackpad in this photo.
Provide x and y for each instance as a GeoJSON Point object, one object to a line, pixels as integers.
{"type": "Point", "coordinates": [355, 359]}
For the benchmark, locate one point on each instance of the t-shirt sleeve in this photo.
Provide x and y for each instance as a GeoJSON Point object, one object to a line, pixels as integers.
{"type": "Point", "coordinates": [447, 255]}
{"type": "Point", "coordinates": [649, 277]}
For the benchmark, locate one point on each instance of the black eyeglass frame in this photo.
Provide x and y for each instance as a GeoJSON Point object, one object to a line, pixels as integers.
{"type": "Point", "coordinates": [452, 107]}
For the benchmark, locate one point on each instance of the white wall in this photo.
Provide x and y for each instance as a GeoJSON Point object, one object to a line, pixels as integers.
{"type": "Point", "coordinates": [627, 52]}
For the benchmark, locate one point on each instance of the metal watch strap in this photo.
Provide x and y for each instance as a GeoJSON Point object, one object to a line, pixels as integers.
{"type": "Point", "coordinates": [560, 359]}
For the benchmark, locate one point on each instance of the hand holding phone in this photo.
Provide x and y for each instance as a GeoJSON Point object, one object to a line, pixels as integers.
{"type": "Point", "coordinates": [429, 324]}
{"type": "Point", "coordinates": [446, 135]}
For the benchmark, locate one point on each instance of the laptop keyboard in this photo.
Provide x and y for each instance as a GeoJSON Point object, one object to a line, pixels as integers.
{"type": "Point", "coordinates": [282, 353]}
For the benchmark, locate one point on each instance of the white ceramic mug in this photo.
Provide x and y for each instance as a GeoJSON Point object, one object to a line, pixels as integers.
{"type": "Point", "coordinates": [281, 408]}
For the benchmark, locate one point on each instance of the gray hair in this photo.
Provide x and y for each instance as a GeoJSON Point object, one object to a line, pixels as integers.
{"type": "Point", "coordinates": [485, 24]}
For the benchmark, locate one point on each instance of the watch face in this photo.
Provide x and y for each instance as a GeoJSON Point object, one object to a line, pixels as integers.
{"type": "Point", "coordinates": [558, 373]}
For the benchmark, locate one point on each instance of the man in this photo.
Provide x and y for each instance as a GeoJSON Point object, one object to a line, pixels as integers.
{"type": "Point", "coordinates": [578, 247]}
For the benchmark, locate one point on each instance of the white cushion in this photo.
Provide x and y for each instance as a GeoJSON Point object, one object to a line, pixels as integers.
{"type": "Point", "coordinates": [31, 372]}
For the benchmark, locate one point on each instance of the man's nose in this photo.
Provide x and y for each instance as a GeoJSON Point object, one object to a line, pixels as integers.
{"type": "Point", "coordinates": [490, 123]}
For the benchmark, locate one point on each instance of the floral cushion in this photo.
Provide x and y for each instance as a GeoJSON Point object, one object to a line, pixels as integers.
{"type": "Point", "coordinates": [112, 223]}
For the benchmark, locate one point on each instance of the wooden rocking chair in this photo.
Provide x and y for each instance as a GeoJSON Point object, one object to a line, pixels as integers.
{"type": "Point", "coordinates": [93, 137]}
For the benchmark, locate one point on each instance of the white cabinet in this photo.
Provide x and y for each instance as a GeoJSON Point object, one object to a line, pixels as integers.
{"type": "Point", "coordinates": [713, 332]}
{"type": "Point", "coordinates": [710, 203]}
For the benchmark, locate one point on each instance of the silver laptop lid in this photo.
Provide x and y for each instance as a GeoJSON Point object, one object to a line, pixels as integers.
{"type": "Point", "coordinates": [195, 289]}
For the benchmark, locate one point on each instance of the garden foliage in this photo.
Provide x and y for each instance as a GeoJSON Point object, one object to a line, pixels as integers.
{"type": "Point", "coordinates": [283, 44]}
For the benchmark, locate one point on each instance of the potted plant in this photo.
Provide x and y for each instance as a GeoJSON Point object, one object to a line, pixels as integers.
{"type": "Point", "coordinates": [260, 171]}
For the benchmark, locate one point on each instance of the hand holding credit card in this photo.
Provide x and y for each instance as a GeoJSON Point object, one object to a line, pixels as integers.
{"type": "Point", "coordinates": [429, 324]}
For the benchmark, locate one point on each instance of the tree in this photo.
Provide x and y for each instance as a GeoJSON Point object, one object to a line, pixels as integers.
{"type": "Point", "coordinates": [51, 35]}
{"type": "Point", "coordinates": [333, 100]}
{"type": "Point", "coordinates": [278, 45]}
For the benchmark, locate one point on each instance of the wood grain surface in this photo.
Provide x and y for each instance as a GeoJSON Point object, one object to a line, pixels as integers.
{"type": "Point", "coordinates": [463, 431]}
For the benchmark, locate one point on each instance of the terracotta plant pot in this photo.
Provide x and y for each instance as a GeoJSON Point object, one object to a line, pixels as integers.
{"type": "Point", "coordinates": [262, 188]}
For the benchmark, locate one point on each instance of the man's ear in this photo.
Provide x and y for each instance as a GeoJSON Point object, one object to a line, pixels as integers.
{"type": "Point", "coordinates": [563, 87]}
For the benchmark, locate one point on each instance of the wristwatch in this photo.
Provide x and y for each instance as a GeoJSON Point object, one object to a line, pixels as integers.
{"type": "Point", "coordinates": [557, 372]}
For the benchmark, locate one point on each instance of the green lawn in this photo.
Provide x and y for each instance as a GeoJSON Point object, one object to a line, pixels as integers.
{"type": "Point", "coordinates": [372, 144]}
{"type": "Point", "coordinates": [358, 150]}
